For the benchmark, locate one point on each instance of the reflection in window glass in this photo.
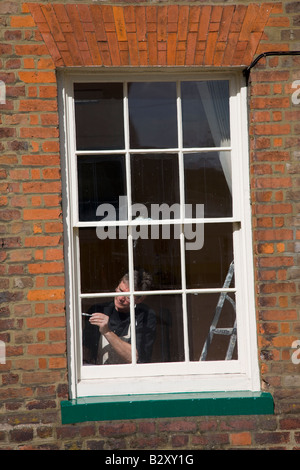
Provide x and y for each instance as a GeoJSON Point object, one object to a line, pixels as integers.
{"type": "Point", "coordinates": [208, 266]}
{"type": "Point", "coordinates": [208, 182]}
{"type": "Point", "coordinates": [151, 176]}
{"type": "Point", "coordinates": [102, 262]}
{"type": "Point", "coordinates": [160, 257]}
{"type": "Point", "coordinates": [99, 116]}
{"type": "Point", "coordinates": [91, 345]}
{"type": "Point", "coordinates": [98, 350]}
{"type": "Point", "coordinates": [159, 330]}
{"type": "Point", "coordinates": [203, 309]}
{"type": "Point", "coordinates": [152, 115]}
{"type": "Point", "coordinates": [101, 180]}
{"type": "Point", "coordinates": [205, 114]}
{"type": "Point", "coordinates": [168, 345]}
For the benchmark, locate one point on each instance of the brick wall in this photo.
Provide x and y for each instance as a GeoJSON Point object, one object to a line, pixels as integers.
{"type": "Point", "coordinates": [32, 306]}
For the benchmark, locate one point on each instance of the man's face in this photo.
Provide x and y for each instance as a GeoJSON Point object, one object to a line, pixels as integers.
{"type": "Point", "coordinates": [122, 302]}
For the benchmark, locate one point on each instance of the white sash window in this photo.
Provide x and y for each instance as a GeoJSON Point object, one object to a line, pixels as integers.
{"type": "Point", "coordinates": [157, 178]}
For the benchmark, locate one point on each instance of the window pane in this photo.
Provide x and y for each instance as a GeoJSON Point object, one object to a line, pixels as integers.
{"type": "Point", "coordinates": [208, 266]}
{"type": "Point", "coordinates": [91, 345]}
{"type": "Point", "coordinates": [168, 345]}
{"type": "Point", "coordinates": [152, 115]}
{"type": "Point", "coordinates": [155, 180]}
{"type": "Point", "coordinates": [102, 262]}
{"type": "Point", "coordinates": [205, 310]}
{"type": "Point", "coordinates": [157, 250]}
{"type": "Point", "coordinates": [97, 349]}
{"type": "Point", "coordinates": [101, 180]}
{"type": "Point", "coordinates": [99, 116]}
{"type": "Point", "coordinates": [205, 114]}
{"type": "Point", "coordinates": [208, 182]}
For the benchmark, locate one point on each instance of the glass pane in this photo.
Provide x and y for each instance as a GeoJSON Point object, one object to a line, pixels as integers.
{"type": "Point", "coordinates": [91, 345]}
{"type": "Point", "coordinates": [114, 315]}
{"type": "Point", "coordinates": [157, 250]}
{"type": "Point", "coordinates": [102, 262]}
{"type": "Point", "coordinates": [205, 114]}
{"type": "Point", "coordinates": [208, 266]}
{"type": "Point", "coordinates": [168, 345]}
{"type": "Point", "coordinates": [152, 115]}
{"type": "Point", "coordinates": [155, 181]}
{"type": "Point", "coordinates": [218, 311]}
{"type": "Point", "coordinates": [208, 182]}
{"type": "Point", "coordinates": [101, 180]}
{"type": "Point", "coordinates": [99, 116]}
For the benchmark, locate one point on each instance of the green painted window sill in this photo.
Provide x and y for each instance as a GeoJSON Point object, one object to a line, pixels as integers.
{"type": "Point", "coordinates": [166, 406]}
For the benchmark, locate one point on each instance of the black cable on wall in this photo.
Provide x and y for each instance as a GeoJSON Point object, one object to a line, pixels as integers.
{"type": "Point", "coordinates": [246, 72]}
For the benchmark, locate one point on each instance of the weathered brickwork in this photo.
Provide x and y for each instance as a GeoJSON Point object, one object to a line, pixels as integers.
{"type": "Point", "coordinates": [35, 39]}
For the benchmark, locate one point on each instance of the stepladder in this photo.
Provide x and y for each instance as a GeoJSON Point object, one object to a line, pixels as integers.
{"type": "Point", "coordinates": [230, 331]}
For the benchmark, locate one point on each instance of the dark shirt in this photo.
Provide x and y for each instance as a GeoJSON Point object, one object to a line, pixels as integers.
{"type": "Point", "coordinates": [119, 323]}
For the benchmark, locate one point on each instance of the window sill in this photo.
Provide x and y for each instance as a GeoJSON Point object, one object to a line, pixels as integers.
{"type": "Point", "coordinates": [166, 406]}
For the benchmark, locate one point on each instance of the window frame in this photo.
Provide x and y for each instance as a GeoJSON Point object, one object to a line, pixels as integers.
{"type": "Point", "coordinates": [241, 374]}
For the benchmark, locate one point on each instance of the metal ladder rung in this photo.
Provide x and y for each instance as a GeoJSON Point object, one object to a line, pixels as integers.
{"type": "Point", "coordinates": [230, 331]}
{"type": "Point", "coordinates": [223, 331]}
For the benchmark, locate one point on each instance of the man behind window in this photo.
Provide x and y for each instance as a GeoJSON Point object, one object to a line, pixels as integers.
{"type": "Point", "coordinates": [110, 343]}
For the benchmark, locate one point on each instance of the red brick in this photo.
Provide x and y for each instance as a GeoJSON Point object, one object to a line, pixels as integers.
{"type": "Point", "coordinates": [41, 322]}
{"type": "Point", "coordinates": [37, 105]}
{"type": "Point", "coordinates": [120, 23]}
{"type": "Point", "coordinates": [117, 429]}
{"type": "Point", "coordinates": [93, 47]}
{"type": "Point", "coordinates": [22, 21]}
{"type": "Point", "coordinates": [41, 160]}
{"type": "Point", "coordinates": [183, 21]}
{"type": "Point", "coordinates": [40, 214]}
{"type": "Point", "coordinates": [37, 77]}
{"type": "Point", "coordinates": [141, 26]}
{"type": "Point", "coordinates": [41, 187]}
{"type": "Point", "coordinates": [43, 295]}
{"type": "Point", "coordinates": [42, 241]}
{"type": "Point", "coordinates": [171, 48]}
{"type": "Point", "coordinates": [31, 50]}
{"type": "Point", "coordinates": [39, 132]}
{"type": "Point", "coordinates": [57, 363]}
{"type": "Point", "coordinates": [241, 439]}
{"type": "Point", "coordinates": [21, 435]}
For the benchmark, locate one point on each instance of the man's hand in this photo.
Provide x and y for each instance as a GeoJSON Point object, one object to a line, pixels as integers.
{"type": "Point", "coordinates": [121, 347]}
{"type": "Point", "coordinates": [101, 320]}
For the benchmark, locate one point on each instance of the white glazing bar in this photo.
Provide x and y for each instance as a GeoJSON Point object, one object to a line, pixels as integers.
{"type": "Point", "coordinates": [88, 153]}
{"type": "Point", "coordinates": [206, 149]}
{"type": "Point", "coordinates": [182, 215]}
{"type": "Point", "coordinates": [129, 212]}
{"type": "Point", "coordinates": [74, 217]}
{"type": "Point", "coordinates": [77, 301]}
{"type": "Point", "coordinates": [71, 142]}
{"type": "Point", "coordinates": [131, 296]}
{"type": "Point", "coordinates": [155, 150]}
{"type": "Point", "coordinates": [212, 290]}
{"type": "Point", "coordinates": [127, 153]}
{"type": "Point", "coordinates": [137, 222]}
